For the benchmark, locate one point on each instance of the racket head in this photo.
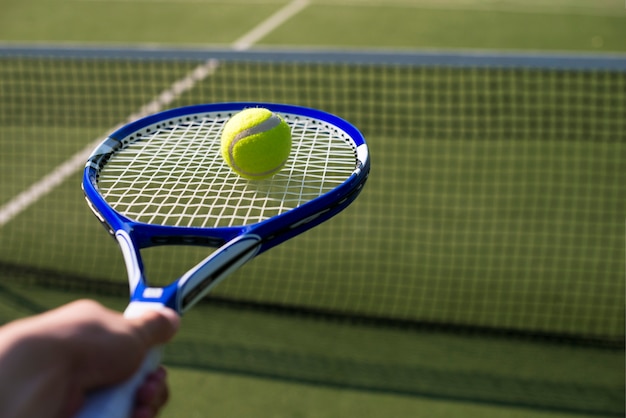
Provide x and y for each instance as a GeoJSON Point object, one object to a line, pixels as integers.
{"type": "Point", "coordinates": [161, 180]}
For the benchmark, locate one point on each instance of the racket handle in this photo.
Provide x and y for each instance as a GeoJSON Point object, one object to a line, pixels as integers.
{"type": "Point", "coordinates": [118, 401]}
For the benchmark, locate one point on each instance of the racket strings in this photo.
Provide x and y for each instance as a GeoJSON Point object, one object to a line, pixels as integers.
{"type": "Point", "coordinates": [193, 169]}
{"type": "Point", "coordinates": [176, 175]}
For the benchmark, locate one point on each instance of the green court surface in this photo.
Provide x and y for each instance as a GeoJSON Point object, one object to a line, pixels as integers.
{"type": "Point", "coordinates": [477, 24]}
{"type": "Point", "coordinates": [480, 274]}
{"type": "Point", "coordinates": [248, 397]}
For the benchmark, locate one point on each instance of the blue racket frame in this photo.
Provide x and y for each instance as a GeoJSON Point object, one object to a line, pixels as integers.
{"type": "Point", "coordinates": [235, 245]}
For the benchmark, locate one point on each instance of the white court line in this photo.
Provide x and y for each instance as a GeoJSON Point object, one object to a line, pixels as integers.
{"type": "Point", "coordinates": [271, 23]}
{"type": "Point", "coordinates": [53, 179]}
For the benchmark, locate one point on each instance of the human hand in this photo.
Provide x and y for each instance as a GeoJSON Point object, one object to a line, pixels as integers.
{"type": "Point", "coordinates": [49, 362]}
{"type": "Point", "coordinates": [151, 395]}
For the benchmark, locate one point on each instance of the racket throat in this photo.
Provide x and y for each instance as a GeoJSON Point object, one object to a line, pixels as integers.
{"type": "Point", "coordinates": [198, 281]}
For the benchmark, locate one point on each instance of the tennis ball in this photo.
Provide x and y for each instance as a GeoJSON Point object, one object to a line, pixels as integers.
{"type": "Point", "coordinates": [256, 143]}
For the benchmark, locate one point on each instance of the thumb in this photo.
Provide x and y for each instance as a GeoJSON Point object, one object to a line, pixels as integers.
{"type": "Point", "coordinates": [156, 327]}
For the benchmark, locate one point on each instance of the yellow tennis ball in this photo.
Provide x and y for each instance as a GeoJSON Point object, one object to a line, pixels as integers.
{"type": "Point", "coordinates": [256, 143]}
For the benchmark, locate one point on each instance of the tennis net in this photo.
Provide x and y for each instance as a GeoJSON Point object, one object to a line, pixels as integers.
{"type": "Point", "coordinates": [495, 200]}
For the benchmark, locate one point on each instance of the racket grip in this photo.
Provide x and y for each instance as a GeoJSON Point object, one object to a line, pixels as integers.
{"type": "Point", "coordinates": [118, 401]}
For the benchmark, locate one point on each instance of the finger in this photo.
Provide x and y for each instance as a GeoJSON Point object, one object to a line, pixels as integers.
{"type": "Point", "coordinates": [151, 391]}
{"type": "Point", "coordinates": [157, 327]}
{"type": "Point", "coordinates": [152, 395]}
{"type": "Point", "coordinates": [143, 412]}
{"type": "Point", "coordinates": [113, 362]}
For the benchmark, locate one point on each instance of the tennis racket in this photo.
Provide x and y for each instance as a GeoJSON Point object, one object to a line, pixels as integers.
{"type": "Point", "coordinates": [161, 180]}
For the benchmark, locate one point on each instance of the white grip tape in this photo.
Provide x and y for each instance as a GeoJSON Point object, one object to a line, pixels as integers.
{"type": "Point", "coordinates": [118, 401]}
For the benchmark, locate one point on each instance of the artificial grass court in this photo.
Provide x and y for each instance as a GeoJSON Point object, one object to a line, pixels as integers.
{"type": "Point", "coordinates": [492, 288]}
